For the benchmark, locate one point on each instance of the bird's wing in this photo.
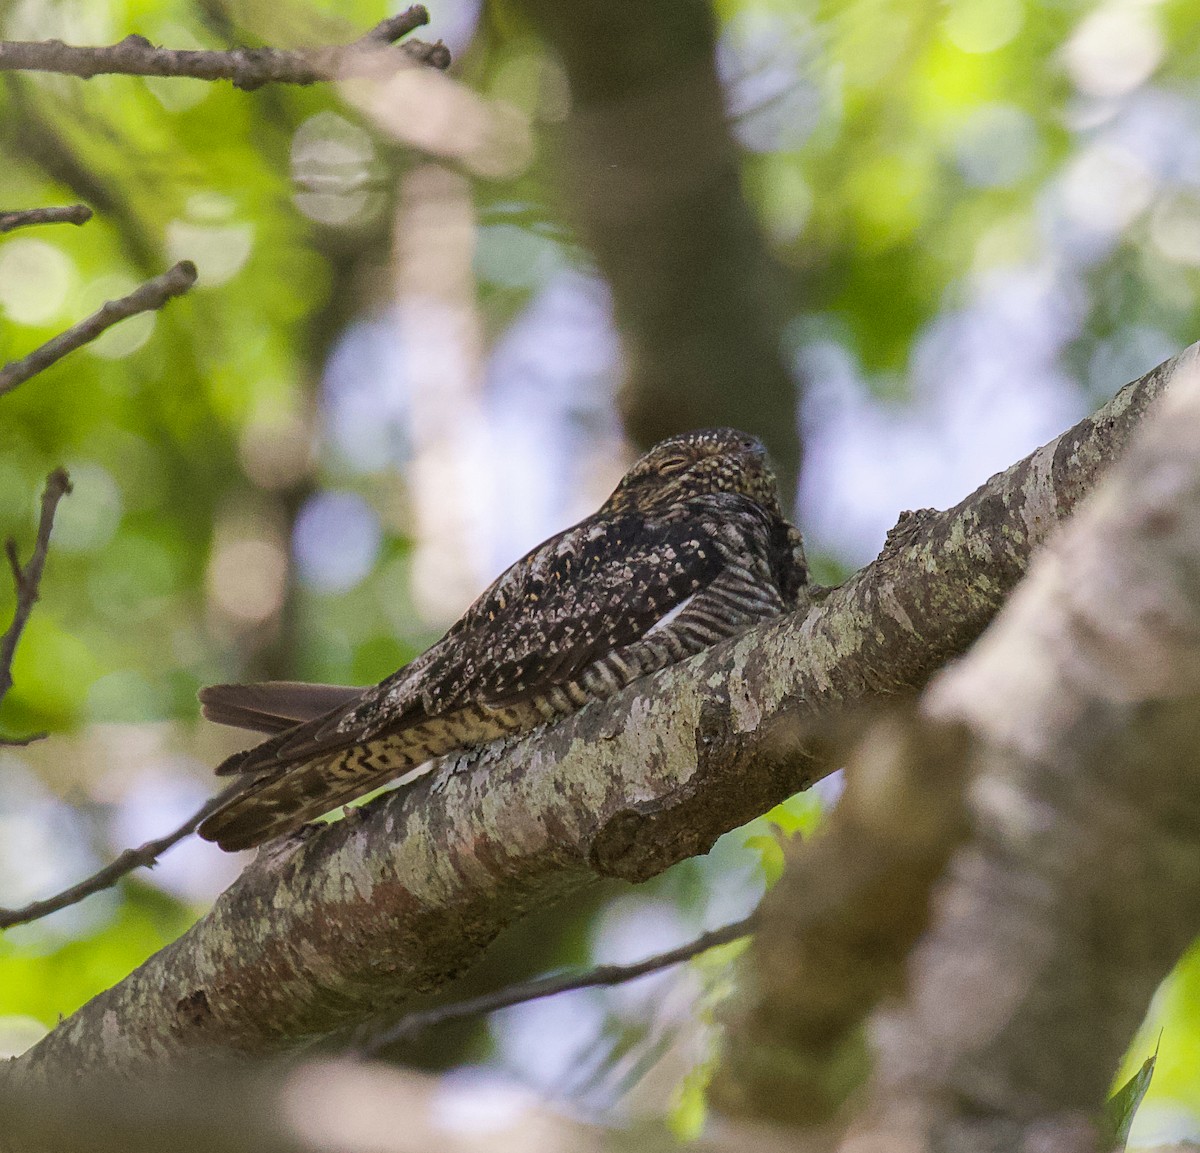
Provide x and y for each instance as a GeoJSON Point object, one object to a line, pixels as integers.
{"type": "Point", "coordinates": [590, 590]}
{"type": "Point", "coordinates": [598, 589]}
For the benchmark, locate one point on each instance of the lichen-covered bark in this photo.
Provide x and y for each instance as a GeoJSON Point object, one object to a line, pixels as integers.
{"type": "Point", "coordinates": [1079, 888]}
{"type": "Point", "coordinates": [342, 922]}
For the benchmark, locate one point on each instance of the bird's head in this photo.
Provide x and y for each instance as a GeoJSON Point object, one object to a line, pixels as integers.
{"type": "Point", "coordinates": [696, 464]}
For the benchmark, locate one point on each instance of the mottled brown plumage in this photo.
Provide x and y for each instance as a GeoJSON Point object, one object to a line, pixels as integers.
{"type": "Point", "coordinates": [691, 548]}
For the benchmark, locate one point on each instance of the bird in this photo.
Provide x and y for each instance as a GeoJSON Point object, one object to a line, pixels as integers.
{"type": "Point", "coordinates": [691, 548]}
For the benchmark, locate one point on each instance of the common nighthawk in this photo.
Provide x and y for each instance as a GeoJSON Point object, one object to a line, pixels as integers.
{"type": "Point", "coordinates": [690, 548]}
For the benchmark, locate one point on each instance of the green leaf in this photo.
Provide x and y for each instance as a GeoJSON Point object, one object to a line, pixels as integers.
{"type": "Point", "coordinates": [1123, 1104]}
{"type": "Point", "coordinates": [770, 853]}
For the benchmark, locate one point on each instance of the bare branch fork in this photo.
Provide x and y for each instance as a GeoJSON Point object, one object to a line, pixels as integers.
{"type": "Point", "coordinates": [26, 217]}
{"type": "Point", "coordinates": [341, 923]}
{"type": "Point", "coordinates": [247, 68]}
{"type": "Point", "coordinates": [147, 297]}
{"type": "Point", "coordinates": [27, 580]}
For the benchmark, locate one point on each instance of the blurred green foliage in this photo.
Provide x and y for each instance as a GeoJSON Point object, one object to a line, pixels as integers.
{"type": "Point", "coordinates": [153, 420]}
{"type": "Point", "coordinates": [43, 976]}
{"type": "Point", "coordinates": [151, 433]}
{"type": "Point", "coordinates": [898, 152]}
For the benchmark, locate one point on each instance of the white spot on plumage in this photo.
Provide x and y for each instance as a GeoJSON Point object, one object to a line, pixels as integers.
{"type": "Point", "coordinates": [668, 617]}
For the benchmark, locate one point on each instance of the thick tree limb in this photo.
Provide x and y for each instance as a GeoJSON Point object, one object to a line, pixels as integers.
{"type": "Point", "coordinates": [1079, 888]}
{"type": "Point", "coordinates": [248, 68]}
{"type": "Point", "coordinates": [146, 297]}
{"type": "Point", "coordinates": [655, 186]}
{"type": "Point", "coordinates": [835, 932]}
{"type": "Point", "coordinates": [25, 217]}
{"type": "Point", "coordinates": [341, 923]}
{"type": "Point", "coordinates": [27, 580]}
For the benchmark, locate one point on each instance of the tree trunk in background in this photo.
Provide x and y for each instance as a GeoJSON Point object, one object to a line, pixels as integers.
{"type": "Point", "coordinates": [651, 177]}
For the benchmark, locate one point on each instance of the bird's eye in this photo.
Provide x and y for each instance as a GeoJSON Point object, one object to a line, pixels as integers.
{"type": "Point", "coordinates": [673, 465]}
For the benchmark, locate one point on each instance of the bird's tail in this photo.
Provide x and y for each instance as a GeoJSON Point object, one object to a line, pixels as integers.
{"type": "Point", "coordinates": [273, 706]}
{"type": "Point", "coordinates": [268, 808]}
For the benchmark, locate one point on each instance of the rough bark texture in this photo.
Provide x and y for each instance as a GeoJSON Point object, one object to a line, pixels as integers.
{"type": "Point", "coordinates": [1079, 888]}
{"type": "Point", "coordinates": [652, 173]}
{"type": "Point", "coordinates": [342, 922]}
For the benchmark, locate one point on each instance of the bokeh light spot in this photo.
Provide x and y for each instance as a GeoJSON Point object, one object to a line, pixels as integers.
{"type": "Point", "coordinates": [333, 166]}
{"type": "Point", "coordinates": [246, 579]}
{"type": "Point", "coordinates": [336, 541]}
{"type": "Point", "coordinates": [997, 146]}
{"type": "Point", "coordinates": [1175, 229]}
{"type": "Point", "coordinates": [35, 278]}
{"type": "Point", "coordinates": [515, 257]}
{"type": "Point", "coordinates": [1115, 49]}
{"type": "Point", "coordinates": [218, 251]}
{"type": "Point", "coordinates": [979, 26]}
{"type": "Point", "coordinates": [1106, 187]}
{"type": "Point", "coordinates": [88, 517]}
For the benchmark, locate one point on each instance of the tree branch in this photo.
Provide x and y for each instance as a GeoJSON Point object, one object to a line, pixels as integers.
{"type": "Point", "coordinates": [248, 68]}
{"type": "Point", "coordinates": [27, 580]}
{"type": "Point", "coordinates": [340, 923]}
{"type": "Point", "coordinates": [145, 298]}
{"type": "Point", "coordinates": [835, 932]}
{"type": "Point", "coordinates": [1079, 889]}
{"type": "Point", "coordinates": [25, 217]}
{"type": "Point", "coordinates": [600, 976]}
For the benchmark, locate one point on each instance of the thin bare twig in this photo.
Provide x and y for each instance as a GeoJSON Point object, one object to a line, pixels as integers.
{"type": "Point", "coordinates": [248, 68]}
{"type": "Point", "coordinates": [25, 217]}
{"type": "Point", "coordinates": [143, 856]}
{"type": "Point", "coordinates": [145, 298]}
{"type": "Point", "coordinates": [27, 579]}
{"type": "Point", "coordinates": [535, 990]}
